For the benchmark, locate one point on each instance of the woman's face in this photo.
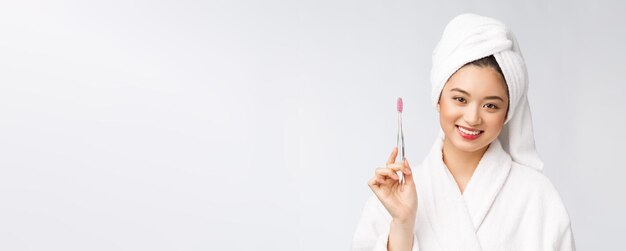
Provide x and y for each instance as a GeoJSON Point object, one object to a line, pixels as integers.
{"type": "Point", "coordinates": [474, 98]}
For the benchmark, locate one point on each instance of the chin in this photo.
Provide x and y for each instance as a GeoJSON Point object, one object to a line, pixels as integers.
{"type": "Point", "coordinates": [470, 147]}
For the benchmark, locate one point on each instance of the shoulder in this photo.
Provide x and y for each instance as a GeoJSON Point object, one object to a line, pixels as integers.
{"type": "Point", "coordinates": [528, 175]}
{"type": "Point", "coordinates": [530, 210]}
{"type": "Point", "coordinates": [539, 194]}
{"type": "Point", "coordinates": [532, 181]}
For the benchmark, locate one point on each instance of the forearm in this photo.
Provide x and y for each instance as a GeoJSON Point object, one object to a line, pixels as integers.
{"type": "Point", "coordinates": [401, 236]}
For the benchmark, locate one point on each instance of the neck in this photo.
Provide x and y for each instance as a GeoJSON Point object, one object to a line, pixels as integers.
{"type": "Point", "coordinates": [461, 163]}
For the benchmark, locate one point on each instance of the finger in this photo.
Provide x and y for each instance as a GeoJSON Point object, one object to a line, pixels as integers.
{"type": "Point", "coordinates": [408, 173]}
{"type": "Point", "coordinates": [392, 157]}
{"type": "Point", "coordinates": [382, 181]}
{"type": "Point", "coordinates": [375, 183]}
{"type": "Point", "coordinates": [396, 166]}
{"type": "Point", "coordinates": [377, 186]}
{"type": "Point", "coordinates": [386, 173]}
{"type": "Point", "coordinates": [406, 167]}
{"type": "Point", "coordinates": [372, 183]}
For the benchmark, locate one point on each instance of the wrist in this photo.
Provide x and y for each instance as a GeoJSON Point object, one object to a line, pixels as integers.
{"type": "Point", "coordinates": [406, 223]}
{"type": "Point", "coordinates": [401, 235]}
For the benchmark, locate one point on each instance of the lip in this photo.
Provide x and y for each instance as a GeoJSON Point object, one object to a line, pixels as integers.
{"type": "Point", "coordinates": [468, 136]}
{"type": "Point", "coordinates": [469, 128]}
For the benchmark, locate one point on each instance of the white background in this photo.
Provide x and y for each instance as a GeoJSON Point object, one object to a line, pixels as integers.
{"type": "Point", "coordinates": [255, 125]}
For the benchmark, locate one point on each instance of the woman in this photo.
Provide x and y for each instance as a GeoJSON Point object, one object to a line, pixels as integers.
{"type": "Point", "coordinates": [481, 186]}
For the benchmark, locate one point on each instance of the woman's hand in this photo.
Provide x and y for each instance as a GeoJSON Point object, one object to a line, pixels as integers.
{"type": "Point", "coordinates": [399, 200]}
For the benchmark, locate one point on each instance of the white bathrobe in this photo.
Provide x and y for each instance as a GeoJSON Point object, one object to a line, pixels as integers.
{"type": "Point", "coordinates": [505, 206]}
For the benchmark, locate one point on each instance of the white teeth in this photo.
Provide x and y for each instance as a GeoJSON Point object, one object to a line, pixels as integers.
{"type": "Point", "coordinates": [468, 132]}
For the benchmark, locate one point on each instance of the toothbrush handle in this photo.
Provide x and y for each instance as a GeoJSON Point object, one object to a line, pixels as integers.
{"type": "Point", "coordinates": [400, 143]}
{"type": "Point", "coordinates": [400, 138]}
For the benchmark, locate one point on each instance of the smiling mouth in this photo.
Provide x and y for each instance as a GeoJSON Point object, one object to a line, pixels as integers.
{"type": "Point", "coordinates": [469, 132]}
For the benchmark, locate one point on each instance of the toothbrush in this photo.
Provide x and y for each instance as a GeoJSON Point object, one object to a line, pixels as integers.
{"type": "Point", "coordinates": [400, 138]}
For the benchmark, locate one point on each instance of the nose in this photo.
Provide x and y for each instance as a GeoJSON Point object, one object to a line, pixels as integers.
{"type": "Point", "coordinates": [472, 116]}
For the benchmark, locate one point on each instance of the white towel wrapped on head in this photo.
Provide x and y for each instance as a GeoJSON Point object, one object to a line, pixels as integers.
{"type": "Point", "coordinates": [469, 37]}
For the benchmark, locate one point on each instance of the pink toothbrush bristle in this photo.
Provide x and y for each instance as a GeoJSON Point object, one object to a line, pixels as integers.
{"type": "Point", "coordinates": [400, 105]}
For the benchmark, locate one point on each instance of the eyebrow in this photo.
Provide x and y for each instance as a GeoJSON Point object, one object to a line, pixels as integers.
{"type": "Point", "coordinates": [467, 93]}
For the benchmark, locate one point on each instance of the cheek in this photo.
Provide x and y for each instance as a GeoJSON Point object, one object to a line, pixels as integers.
{"type": "Point", "coordinates": [449, 113]}
{"type": "Point", "coordinates": [496, 120]}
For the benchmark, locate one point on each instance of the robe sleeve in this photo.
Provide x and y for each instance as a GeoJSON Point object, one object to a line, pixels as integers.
{"type": "Point", "coordinates": [557, 219]}
{"type": "Point", "coordinates": [372, 232]}
{"type": "Point", "coordinates": [566, 242]}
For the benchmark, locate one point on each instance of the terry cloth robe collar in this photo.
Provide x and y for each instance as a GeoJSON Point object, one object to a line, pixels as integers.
{"type": "Point", "coordinates": [454, 217]}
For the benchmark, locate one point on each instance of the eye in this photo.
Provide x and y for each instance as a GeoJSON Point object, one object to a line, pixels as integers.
{"type": "Point", "coordinates": [491, 106]}
{"type": "Point", "coordinates": [460, 99]}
